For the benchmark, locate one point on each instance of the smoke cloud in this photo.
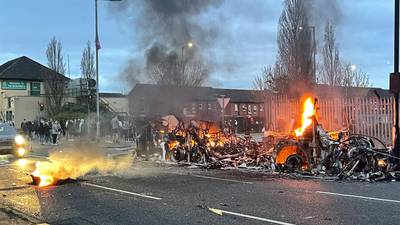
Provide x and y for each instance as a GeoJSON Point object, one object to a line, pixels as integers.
{"type": "Point", "coordinates": [164, 28]}
{"type": "Point", "coordinates": [79, 161]}
{"type": "Point", "coordinates": [325, 10]}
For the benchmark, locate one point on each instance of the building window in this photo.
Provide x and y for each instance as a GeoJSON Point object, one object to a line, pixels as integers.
{"type": "Point", "coordinates": [9, 103]}
{"type": "Point", "coordinates": [255, 110]}
{"type": "Point", "coordinates": [244, 109]}
{"type": "Point", "coordinates": [249, 109]}
{"type": "Point", "coordinates": [209, 106]}
{"type": "Point", "coordinates": [194, 108]}
{"type": "Point", "coordinates": [236, 107]}
{"type": "Point", "coordinates": [9, 116]}
{"type": "Point", "coordinates": [200, 106]}
{"type": "Point", "coordinates": [261, 108]}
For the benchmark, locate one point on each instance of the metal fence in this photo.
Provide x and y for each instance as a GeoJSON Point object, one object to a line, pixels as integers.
{"type": "Point", "coordinates": [371, 116]}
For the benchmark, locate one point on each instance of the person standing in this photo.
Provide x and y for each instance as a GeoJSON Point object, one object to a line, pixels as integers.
{"type": "Point", "coordinates": [115, 128]}
{"type": "Point", "coordinates": [41, 132]}
{"type": "Point", "coordinates": [46, 130]}
{"type": "Point", "coordinates": [54, 132]}
{"type": "Point", "coordinates": [24, 127]}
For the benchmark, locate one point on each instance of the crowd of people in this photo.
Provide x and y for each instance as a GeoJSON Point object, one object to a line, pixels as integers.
{"type": "Point", "coordinates": [47, 131]}
{"type": "Point", "coordinates": [122, 130]}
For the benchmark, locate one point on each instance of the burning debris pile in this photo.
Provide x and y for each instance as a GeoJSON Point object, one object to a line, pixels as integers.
{"type": "Point", "coordinates": [307, 150]}
{"type": "Point", "coordinates": [70, 164]}
{"type": "Point", "coordinates": [312, 150]}
{"type": "Point", "coordinates": [213, 148]}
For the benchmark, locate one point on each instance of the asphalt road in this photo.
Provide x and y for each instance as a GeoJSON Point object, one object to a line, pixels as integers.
{"type": "Point", "coordinates": [154, 193]}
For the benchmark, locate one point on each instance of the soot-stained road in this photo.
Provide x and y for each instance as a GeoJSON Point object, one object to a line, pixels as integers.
{"type": "Point", "coordinates": [153, 193]}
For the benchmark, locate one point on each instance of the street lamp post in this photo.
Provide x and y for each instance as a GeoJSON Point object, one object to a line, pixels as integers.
{"type": "Point", "coordinates": [97, 68]}
{"type": "Point", "coordinates": [395, 81]}
{"type": "Point", "coordinates": [97, 74]}
{"type": "Point", "coordinates": [189, 45]}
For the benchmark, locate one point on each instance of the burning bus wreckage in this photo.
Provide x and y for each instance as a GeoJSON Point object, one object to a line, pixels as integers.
{"type": "Point", "coordinates": [308, 150]}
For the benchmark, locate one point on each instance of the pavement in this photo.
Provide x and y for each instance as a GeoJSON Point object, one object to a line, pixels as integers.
{"type": "Point", "coordinates": [162, 193]}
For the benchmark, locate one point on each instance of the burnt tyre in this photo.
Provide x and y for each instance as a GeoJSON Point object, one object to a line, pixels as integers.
{"type": "Point", "coordinates": [293, 163]}
{"type": "Point", "coordinates": [291, 156]}
{"type": "Point", "coordinates": [177, 155]}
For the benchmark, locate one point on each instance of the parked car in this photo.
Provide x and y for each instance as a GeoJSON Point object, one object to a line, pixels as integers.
{"type": "Point", "coordinates": [11, 142]}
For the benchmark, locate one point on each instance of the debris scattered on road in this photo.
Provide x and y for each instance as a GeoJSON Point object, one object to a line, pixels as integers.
{"type": "Point", "coordinates": [211, 148]}
{"type": "Point", "coordinates": [309, 151]}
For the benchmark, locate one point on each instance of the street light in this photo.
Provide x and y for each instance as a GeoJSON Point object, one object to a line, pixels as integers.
{"type": "Point", "coordinates": [97, 68]}
{"type": "Point", "coordinates": [314, 49]}
{"type": "Point", "coordinates": [189, 45]}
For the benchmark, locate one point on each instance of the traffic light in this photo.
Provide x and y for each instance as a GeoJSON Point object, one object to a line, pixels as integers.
{"type": "Point", "coordinates": [91, 83]}
{"type": "Point", "coordinates": [41, 106]}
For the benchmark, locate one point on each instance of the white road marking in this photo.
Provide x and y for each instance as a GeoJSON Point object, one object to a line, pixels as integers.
{"type": "Point", "coordinates": [253, 217]}
{"type": "Point", "coordinates": [222, 179]}
{"type": "Point", "coordinates": [121, 191]}
{"type": "Point", "coordinates": [357, 196]}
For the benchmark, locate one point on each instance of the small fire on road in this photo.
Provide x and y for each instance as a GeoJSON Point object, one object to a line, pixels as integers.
{"type": "Point", "coordinates": [70, 164]}
{"type": "Point", "coordinates": [41, 180]}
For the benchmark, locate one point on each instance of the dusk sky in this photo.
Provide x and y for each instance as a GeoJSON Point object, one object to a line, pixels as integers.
{"type": "Point", "coordinates": [244, 44]}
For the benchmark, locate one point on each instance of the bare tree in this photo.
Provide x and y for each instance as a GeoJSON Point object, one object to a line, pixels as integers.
{"type": "Point", "coordinates": [55, 92]}
{"type": "Point", "coordinates": [294, 64]}
{"type": "Point", "coordinates": [87, 62]}
{"type": "Point", "coordinates": [55, 83]}
{"type": "Point", "coordinates": [55, 59]}
{"type": "Point", "coordinates": [353, 77]}
{"type": "Point", "coordinates": [331, 72]}
{"type": "Point", "coordinates": [260, 82]}
{"type": "Point", "coordinates": [173, 71]}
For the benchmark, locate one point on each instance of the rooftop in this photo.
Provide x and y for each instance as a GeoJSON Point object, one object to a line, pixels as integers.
{"type": "Point", "coordinates": [24, 68]}
{"type": "Point", "coordinates": [196, 93]}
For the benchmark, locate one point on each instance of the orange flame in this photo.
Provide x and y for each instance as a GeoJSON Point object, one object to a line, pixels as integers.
{"type": "Point", "coordinates": [308, 112]}
{"type": "Point", "coordinates": [45, 180]}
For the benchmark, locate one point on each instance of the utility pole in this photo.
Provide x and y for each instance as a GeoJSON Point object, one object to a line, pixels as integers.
{"type": "Point", "coordinates": [97, 75]}
{"type": "Point", "coordinates": [97, 68]}
{"type": "Point", "coordinates": [395, 80]}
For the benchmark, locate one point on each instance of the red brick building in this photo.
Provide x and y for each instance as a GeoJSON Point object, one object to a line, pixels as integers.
{"type": "Point", "coordinates": [154, 101]}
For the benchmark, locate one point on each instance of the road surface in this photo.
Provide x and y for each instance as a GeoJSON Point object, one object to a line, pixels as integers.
{"type": "Point", "coordinates": [157, 193]}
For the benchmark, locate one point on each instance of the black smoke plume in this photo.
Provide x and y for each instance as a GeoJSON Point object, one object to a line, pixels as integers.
{"type": "Point", "coordinates": [163, 29]}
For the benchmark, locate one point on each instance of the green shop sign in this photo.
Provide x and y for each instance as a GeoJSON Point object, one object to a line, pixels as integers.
{"type": "Point", "coordinates": [13, 85]}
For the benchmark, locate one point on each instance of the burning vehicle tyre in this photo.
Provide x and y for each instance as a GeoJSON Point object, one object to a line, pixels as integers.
{"type": "Point", "coordinates": [177, 155]}
{"type": "Point", "coordinates": [11, 142]}
{"type": "Point", "coordinates": [291, 156]}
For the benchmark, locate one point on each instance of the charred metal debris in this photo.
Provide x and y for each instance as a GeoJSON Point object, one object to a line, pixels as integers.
{"type": "Point", "coordinates": [338, 155]}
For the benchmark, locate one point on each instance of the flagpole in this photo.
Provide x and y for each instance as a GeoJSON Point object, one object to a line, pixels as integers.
{"type": "Point", "coordinates": [97, 77]}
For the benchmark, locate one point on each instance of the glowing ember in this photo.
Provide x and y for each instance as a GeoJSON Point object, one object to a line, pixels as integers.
{"type": "Point", "coordinates": [308, 112]}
